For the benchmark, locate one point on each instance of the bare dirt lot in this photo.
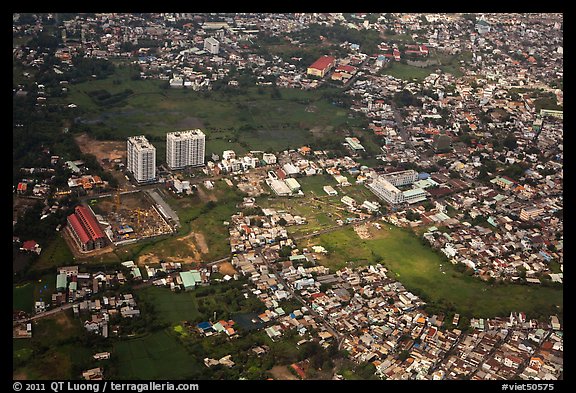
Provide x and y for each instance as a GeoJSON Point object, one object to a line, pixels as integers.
{"type": "Point", "coordinates": [186, 250]}
{"type": "Point", "coordinates": [226, 268]}
{"type": "Point", "coordinates": [282, 373]}
{"type": "Point", "coordinates": [201, 242]}
{"type": "Point", "coordinates": [104, 151]}
{"type": "Point", "coordinates": [363, 231]}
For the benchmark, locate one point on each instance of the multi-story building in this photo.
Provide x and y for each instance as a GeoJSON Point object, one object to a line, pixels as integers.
{"type": "Point", "coordinates": [84, 229]}
{"type": "Point", "coordinates": [185, 148]}
{"type": "Point", "coordinates": [529, 213]}
{"type": "Point", "coordinates": [401, 178]}
{"type": "Point", "coordinates": [141, 161]}
{"type": "Point", "coordinates": [212, 45]}
{"type": "Point", "coordinates": [386, 191]}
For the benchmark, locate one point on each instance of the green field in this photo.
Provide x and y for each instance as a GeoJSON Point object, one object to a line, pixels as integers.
{"type": "Point", "coordinates": [406, 71]}
{"type": "Point", "coordinates": [24, 295]}
{"type": "Point", "coordinates": [158, 355]}
{"type": "Point", "coordinates": [57, 253]}
{"type": "Point", "coordinates": [171, 307]}
{"type": "Point", "coordinates": [245, 119]}
{"type": "Point", "coordinates": [54, 351]}
{"type": "Point", "coordinates": [418, 268]}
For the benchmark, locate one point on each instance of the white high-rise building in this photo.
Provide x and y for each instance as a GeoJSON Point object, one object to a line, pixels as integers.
{"type": "Point", "coordinates": [212, 45]}
{"type": "Point", "coordinates": [185, 148]}
{"type": "Point", "coordinates": [141, 159]}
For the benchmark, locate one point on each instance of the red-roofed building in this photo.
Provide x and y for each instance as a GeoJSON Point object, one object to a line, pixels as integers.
{"type": "Point", "coordinates": [345, 68]}
{"type": "Point", "coordinates": [321, 66]}
{"type": "Point", "coordinates": [31, 245]}
{"type": "Point", "coordinates": [281, 174]}
{"type": "Point", "coordinates": [298, 370]}
{"type": "Point", "coordinates": [22, 187]}
{"type": "Point", "coordinates": [84, 229]}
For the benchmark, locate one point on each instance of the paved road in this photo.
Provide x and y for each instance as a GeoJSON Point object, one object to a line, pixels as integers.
{"type": "Point", "coordinates": [52, 311]}
{"type": "Point", "coordinates": [401, 129]}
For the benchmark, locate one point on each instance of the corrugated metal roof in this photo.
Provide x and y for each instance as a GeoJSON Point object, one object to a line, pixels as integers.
{"type": "Point", "coordinates": [61, 281]}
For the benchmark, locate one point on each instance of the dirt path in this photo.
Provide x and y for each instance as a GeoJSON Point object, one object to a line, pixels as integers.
{"type": "Point", "coordinates": [201, 242]}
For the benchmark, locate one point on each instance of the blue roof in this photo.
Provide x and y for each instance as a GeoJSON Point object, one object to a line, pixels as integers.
{"type": "Point", "coordinates": [423, 175]}
{"type": "Point", "coordinates": [204, 325]}
{"type": "Point", "coordinates": [292, 315]}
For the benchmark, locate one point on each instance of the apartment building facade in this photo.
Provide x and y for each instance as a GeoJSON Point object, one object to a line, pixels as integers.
{"type": "Point", "coordinates": [185, 148]}
{"type": "Point", "coordinates": [141, 159]}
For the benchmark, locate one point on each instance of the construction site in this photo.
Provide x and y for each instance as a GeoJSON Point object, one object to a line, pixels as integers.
{"type": "Point", "coordinates": [131, 216]}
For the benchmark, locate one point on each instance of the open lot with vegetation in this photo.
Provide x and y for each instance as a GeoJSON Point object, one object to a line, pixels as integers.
{"type": "Point", "coordinates": [158, 355]}
{"type": "Point", "coordinates": [55, 351]}
{"type": "Point", "coordinates": [320, 209]}
{"type": "Point", "coordinates": [253, 118]}
{"type": "Point", "coordinates": [406, 71]}
{"type": "Point", "coordinates": [57, 253]}
{"type": "Point", "coordinates": [429, 275]}
{"type": "Point", "coordinates": [40, 289]}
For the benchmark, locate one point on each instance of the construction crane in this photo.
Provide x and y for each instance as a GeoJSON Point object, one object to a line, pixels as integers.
{"type": "Point", "coordinates": [117, 200]}
{"type": "Point", "coordinates": [139, 212]}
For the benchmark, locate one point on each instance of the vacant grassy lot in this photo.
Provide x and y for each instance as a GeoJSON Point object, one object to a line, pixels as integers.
{"type": "Point", "coordinates": [244, 119]}
{"type": "Point", "coordinates": [53, 352]}
{"type": "Point", "coordinates": [418, 268]}
{"type": "Point", "coordinates": [406, 72]}
{"type": "Point", "coordinates": [24, 295]}
{"type": "Point", "coordinates": [171, 307]}
{"type": "Point", "coordinates": [57, 253]}
{"type": "Point", "coordinates": [158, 355]}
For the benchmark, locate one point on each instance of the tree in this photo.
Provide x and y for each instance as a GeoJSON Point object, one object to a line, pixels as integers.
{"type": "Point", "coordinates": [510, 142]}
{"type": "Point", "coordinates": [285, 251]}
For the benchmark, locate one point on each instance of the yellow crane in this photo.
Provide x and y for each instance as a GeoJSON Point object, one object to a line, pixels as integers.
{"type": "Point", "coordinates": [117, 200]}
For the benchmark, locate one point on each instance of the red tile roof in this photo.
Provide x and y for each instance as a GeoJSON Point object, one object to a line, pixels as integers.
{"type": "Point", "coordinates": [78, 228]}
{"type": "Point", "coordinates": [323, 62]}
{"type": "Point", "coordinates": [85, 225]}
{"type": "Point", "coordinates": [89, 222]}
{"type": "Point", "coordinates": [29, 245]}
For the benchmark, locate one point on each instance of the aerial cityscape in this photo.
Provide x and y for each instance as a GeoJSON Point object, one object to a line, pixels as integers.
{"type": "Point", "coordinates": [288, 196]}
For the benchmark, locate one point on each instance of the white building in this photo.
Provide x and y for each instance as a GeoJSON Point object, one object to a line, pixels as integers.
{"type": "Point", "coordinates": [269, 158]}
{"type": "Point", "coordinates": [141, 160]}
{"type": "Point", "coordinates": [386, 191]}
{"type": "Point", "coordinates": [185, 148]}
{"type": "Point", "coordinates": [211, 45]}
{"type": "Point", "coordinates": [401, 178]}
{"type": "Point", "coordinates": [228, 154]}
